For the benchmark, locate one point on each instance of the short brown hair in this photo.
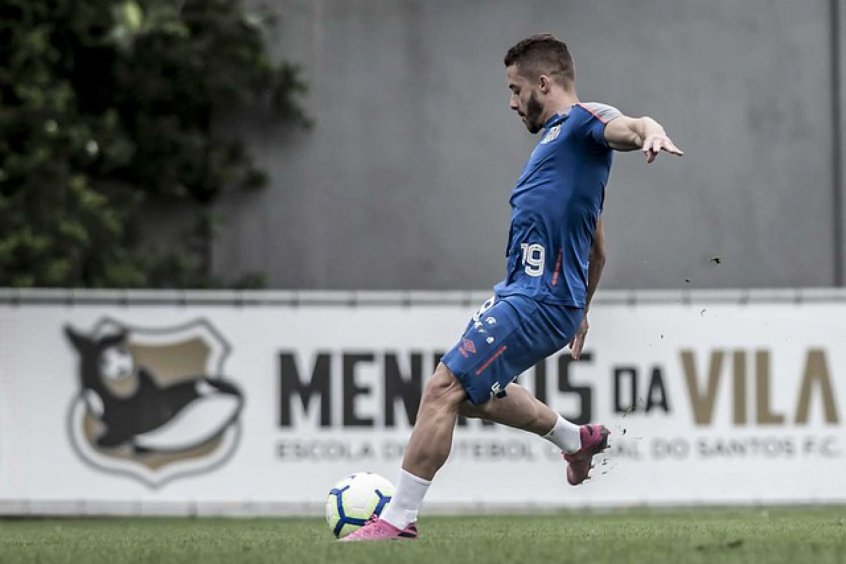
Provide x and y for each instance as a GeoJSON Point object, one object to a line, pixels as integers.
{"type": "Point", "coordinates": [542, 54]}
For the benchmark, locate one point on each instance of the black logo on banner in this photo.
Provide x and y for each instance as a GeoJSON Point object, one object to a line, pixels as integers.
{"type": "Point", "coordinates": [153, 403]}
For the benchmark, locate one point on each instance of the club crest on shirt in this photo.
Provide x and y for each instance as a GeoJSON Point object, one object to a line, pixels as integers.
{"type": "Point", "coordinates": [551, 135]}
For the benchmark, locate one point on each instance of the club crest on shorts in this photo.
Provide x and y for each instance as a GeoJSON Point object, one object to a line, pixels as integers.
{"type": "Point", "coordinates": [153, 403]}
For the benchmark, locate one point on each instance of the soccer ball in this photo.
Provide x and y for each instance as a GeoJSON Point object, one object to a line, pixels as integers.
{"type": "Point", "coordinates": [354, 499]}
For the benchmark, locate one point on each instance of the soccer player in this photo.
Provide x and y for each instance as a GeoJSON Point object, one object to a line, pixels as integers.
{"type": "Point", "coordinates": [555, 256]}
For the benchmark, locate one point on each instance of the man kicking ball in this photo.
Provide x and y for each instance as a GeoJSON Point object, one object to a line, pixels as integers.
{"type": "Point", "coordinates": [555, 258]}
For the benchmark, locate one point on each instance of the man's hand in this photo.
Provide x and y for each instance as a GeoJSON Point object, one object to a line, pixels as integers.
{"type": "Point", "coordinates": [627, 134]}
{"type": "Point", "coordinates": [579, 339]}
{"type": "Point", "coordinates": [656, 143]}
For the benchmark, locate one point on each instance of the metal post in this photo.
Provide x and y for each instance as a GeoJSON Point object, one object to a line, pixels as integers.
{"type": "Point", "coordinates": [837, 139]}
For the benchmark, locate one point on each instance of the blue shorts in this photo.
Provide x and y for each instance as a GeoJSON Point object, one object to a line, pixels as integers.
{"type": "Point", "coordinates": [507, 336]}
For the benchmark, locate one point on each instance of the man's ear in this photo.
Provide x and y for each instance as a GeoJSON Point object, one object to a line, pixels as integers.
{"type": "Point", "coordinates": [544, 84]}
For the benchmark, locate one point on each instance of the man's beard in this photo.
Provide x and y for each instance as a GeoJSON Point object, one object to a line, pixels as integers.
{"type": "Point", "coordinates": [534, 110]}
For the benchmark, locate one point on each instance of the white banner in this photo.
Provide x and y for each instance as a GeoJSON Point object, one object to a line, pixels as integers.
{"type": "Point", "coordinates": [215, 404]}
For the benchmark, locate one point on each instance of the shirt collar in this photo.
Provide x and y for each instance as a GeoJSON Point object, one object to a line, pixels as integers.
{"type": "Point", "coordinates": [558, 117]}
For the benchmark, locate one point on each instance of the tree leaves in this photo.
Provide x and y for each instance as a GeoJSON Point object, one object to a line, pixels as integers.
{"type": "Point", "coordinates": [108, 106]}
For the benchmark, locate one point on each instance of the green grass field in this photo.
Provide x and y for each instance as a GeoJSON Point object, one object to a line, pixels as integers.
{"type": "Point", "coordinates": [738, 535]}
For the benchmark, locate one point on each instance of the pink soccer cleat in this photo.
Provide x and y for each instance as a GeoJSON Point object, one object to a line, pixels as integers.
{"type": "Point", "coordinates": [377, 529]}
{"type": "Point", "coordinates": [594, 440]}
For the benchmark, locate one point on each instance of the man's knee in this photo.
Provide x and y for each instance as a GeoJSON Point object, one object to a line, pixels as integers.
{"type": "Point", "coordinates": [443, 388]}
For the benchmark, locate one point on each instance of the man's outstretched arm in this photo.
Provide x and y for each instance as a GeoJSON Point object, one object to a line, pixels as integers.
{"type": "Point", "coordinates": [628, 134]}
{"type": "Point", "coordinates": [596, 263]}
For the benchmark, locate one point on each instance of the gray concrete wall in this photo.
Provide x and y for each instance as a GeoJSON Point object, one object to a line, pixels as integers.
{"type": "Point", "coordinates": [404, 181]}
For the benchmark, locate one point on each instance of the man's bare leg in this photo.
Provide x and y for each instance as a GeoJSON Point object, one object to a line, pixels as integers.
{"type": "Point", "coordinates": [429, 445]}
{"type": "Point", "coordinates": [522, 410]}
{"type": "Point", "coordinates": [518, 409]}
{"type": "Point", "coordinates": [431, 439]}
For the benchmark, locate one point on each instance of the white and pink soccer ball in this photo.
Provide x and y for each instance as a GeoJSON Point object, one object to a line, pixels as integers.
{"type": "Point", "coordinates": [354, 499]}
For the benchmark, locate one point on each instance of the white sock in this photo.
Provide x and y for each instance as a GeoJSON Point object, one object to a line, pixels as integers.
{"type": "Point", "coordinates": [401, 511]}
{"type": "Point", "coordinates": [565, 435]}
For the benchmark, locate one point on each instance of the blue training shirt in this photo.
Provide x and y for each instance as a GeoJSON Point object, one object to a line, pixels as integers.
{"type": "Point", "coordinates": [555, 207]}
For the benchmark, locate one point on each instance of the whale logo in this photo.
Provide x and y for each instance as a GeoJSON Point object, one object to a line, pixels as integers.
{"type": "Point", "coordinates": [153, 404]}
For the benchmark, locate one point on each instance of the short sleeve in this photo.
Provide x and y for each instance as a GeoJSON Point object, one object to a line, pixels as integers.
{"type": "Point", "coordinates": [600, 114]}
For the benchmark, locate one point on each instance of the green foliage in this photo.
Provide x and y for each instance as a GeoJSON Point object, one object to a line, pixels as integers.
{"type": "Point", "coordinates": [107, 106]}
